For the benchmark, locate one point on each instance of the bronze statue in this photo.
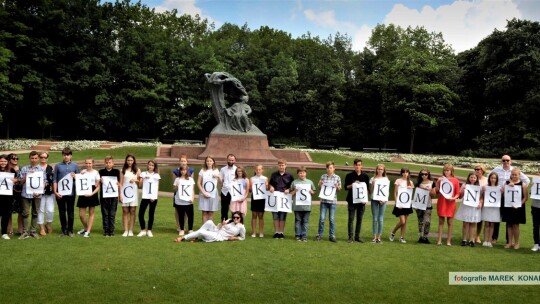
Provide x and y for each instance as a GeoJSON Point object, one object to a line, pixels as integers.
{"type": "Point", "coordinates": [233, 119]}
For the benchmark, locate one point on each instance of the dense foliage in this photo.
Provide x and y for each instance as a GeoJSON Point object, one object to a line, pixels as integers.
{"type": "Point", "coordinates": [91, 70]}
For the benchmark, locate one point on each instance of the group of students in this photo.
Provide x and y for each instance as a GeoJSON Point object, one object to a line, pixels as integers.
{"type": "Point", "coordinates": [38, 208]}
{"type": "Point", "coordinates": [58, 185]}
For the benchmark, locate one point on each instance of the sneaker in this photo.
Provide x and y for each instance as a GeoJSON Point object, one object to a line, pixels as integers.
{"type": "Point", "coordinates": [297, 238]}
{"type": "Point", "coordinates": [130, 233]}
{"type": "Point", "coordinates": [485, 244]}
{"type": "Point", "coordinates": [421, 240]}
{"type": "Point", "coordinates": [149, 233]}
{"type": "Point", "coordinates": [471, 243]}
{"type": "Point", "coordinates": [391, 238]}
{"type": "Point", "coordinates": [426, 241]}
{"type": "Point", "coordinates": [402, 240]}
{"type": "Point", "coordinates": [281, 236]}
{"type": "Point", "coordinates": [106, 235]}
{"type": "Point", "coordinates": [304, 240]}
{"type": "Point", "coordinates": [489, 245]}
{"type": "Point", "coordinates": [125, 234]}
{"type": "Point", "coordinates": [379, 241]}
{"type": "Point", "coordinates": [261, 235]}
{"type": "Point", "coordinates": [6, 237]}
{"type": "Point", "coordinates": [374, 241]}
{"type": "Point", "coordinates": [34, 235]}
{"type": "Point", "coordinates": [253, 235]}
{"type": "Point", "coordinates": [86, 234]}
{"type": "Point", "coordinates": [71, 234]}
{"type": "Point", "coordinates": [24, 236]}
{"type": "Point", "coordinates": [536, 247]}
{"type": "Point", "coordinates": [81, 232]}
{"type": "Point", "coordinates": [350, 240]}
{"type": "Point", "coordinates": [332, 239]}
{"type": "Point", "coordinates": [464, 243]}
{"type": "Point", "coordinates": [317, 238]}
{"type": "Point", "coordinates": [181, 233]}
{"type": "Point", "coordinates": [142, 233]}
{"type": "Point", "coordinates": [359, 240]}
{"type": "Point", "coordinates": [276, 235]}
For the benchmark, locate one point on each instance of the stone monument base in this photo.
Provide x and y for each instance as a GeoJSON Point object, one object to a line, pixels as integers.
{"type": "Point", "coordinates": [246, 148]}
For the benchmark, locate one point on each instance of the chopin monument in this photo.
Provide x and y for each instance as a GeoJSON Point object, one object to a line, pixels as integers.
{"type": "Point", "coordinates": [235, 132]}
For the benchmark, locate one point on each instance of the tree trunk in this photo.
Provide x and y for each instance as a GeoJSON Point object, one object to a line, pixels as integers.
{"type": "Point", "coordinates": [411, 143]}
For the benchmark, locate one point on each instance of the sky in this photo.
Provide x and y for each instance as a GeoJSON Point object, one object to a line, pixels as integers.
{"type": "Point", "coordinates": [463, 23]}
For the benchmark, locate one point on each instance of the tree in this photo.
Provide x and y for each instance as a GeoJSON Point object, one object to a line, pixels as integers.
{"type": "Point", "coordinates": [509, 63]}
{"type": "Point", "coordinates": [415, 73]}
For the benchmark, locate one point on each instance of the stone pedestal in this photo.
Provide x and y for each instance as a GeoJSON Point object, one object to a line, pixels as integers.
{"type": "Point", "coordinates": [246, 148]}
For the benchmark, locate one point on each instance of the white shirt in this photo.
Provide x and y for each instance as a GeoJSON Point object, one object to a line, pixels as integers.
{"type": "Point", "coordinates": [227, 175]}
{"type": "Point", "coordinates": [504, 175]}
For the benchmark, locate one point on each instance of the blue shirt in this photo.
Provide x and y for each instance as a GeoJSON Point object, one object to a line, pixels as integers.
{"type": "Point", "coordinates": [62, 169]}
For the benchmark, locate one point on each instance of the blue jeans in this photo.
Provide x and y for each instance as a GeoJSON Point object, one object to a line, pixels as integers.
{"type": "Point", "coordinates": [377, 210]}
{"type": "Point", "coordinates": [332, 210]}
{"type": "Point", "coordinates": [301, 223]}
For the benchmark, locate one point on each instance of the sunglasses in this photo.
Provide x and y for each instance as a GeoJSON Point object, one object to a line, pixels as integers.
{"type": "Point", "coordinates": [477, 169]}
{"type": "Point", "coordinates": [423, 174]}
{"type": "Point", "coordinates": [505, 160]}
{"type": "Point", "coordinates": [45, 157]}
{"type": "Point", "coordinates": [236, 217]}
{"type": "Point", "coordinates": [15, 158]}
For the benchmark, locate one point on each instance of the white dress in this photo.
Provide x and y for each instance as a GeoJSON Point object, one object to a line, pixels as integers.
{"type": "Point", "coordinates": [208, 203]}
{"type": "Point", "coordinates": [491, 214]}
{"type": "Point", "coordinates": [469, 214]}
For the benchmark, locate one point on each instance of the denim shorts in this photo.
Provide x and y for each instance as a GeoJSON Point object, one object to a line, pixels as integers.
{"type": "Point", "coordinates": [279, 216]}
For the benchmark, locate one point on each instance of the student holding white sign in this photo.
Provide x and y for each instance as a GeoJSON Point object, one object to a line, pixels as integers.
{"type": "Point", "coordinates": [480, 171]}
{"type": "Point", "coordinates": [379, 187]}
{"type": "Point", "coordinates": [470, 209]}
{"type": "Point", "coordinates": [258, 186]}
{"type": "Point", "coordinates": [448, 190]}
{"type": "Point", "coordinates": [491, 210]}
{"type": "Point", "coordinates": [110, 185]}
{"type": "Point", "coordinates": [184, 188]}
{"type": "Point", "coordinates": [129, 193]}
{"type": "Point", "coordinates": [280, 181]}
{"type": "Point", "coordinates": [403, 199]}
{"type": "Point", "coordinates": [239, 191]}
{"type": "Point", "coordinates": [329, 184]}
{"type": "Point", "coordinates": [7, 180]}
{"type": "Point", "coordinates": [504, 171]}
{"type": "Point", "coordinates": [149, 183]}
{"type": "Point", "coordinates": [64, 174]}
{"type": "Point", "coordinates": [33, 180]}
{"type": "Point", "coordinates": [207, 182]}
{"type": "Point", "coordinates": [514, 207]}
{"type": "Point", "coordinates": [91, 180]}
{"type": "Point", "coordinates": [356, 183]}
{"type": "Point", "coordinates": [302, 190]}
{"type": "Point", "coordinates": [423, 211]}
{"type": "Point", "coordinates": [535, 211]}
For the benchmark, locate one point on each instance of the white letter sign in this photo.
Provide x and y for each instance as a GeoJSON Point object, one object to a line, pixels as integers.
{"type": "Point", "coordinates": [471, 195]}
{"type": "Point", "coordinates": [303, 196]}
{"type": "Point", "coordinates": [328, 191]}
{"type": "Point", "coordinates": [421, 197]}
{"type": "Point", "coordinates": [512, 196]}
{"type": "Point", "coordinates": [83, 184]}
{"type": "Point", "coordinates": [150, 188]}
{"type": "Point", "coordinates": [109, 186]}
{"type": "Point", "coordinates": [446, 188]}
{"type": "Point", "coordinates": [258, 188]}
{"type": "Point", "coordinates": [404, 197]}
{"type": "Point", "coordinates": [492, 197]}
{"type": "Point", "coordinates": [381, 189]}
{"type": "Point", "coordinates": [6, 183]}
{"type": "Point", "coordinates": [359, 193]}
{"type": "Point", "coordinates": [35, 183]}
{"type": "Point", "coordinates": [535, 188]}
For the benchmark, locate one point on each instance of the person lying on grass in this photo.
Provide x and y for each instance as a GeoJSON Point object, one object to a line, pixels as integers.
{"type": "Point", "coordinates": [229, 230]}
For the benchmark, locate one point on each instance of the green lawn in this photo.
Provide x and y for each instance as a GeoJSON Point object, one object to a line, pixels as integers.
{"type": "Point", "coordinates": [157, 270]}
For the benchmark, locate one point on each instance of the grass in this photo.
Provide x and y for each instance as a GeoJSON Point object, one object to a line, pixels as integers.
{"type": "Point", "coordinates": [108, 270]}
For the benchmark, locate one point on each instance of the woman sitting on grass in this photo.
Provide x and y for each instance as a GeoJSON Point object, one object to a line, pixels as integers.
{"type": "Point", "coordinates": [230, 230]}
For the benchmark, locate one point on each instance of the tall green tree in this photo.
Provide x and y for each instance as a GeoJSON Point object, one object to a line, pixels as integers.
{"type": "Point", "coordinates": [509, 62]}
{"type": "Point", "coordinates": [415, 71]}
